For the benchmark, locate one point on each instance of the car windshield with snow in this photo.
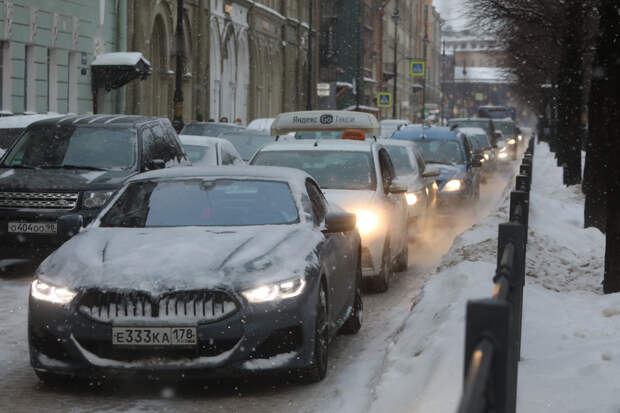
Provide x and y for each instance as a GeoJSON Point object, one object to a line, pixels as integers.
{"type": "Point", "coordinates": [233, 274]}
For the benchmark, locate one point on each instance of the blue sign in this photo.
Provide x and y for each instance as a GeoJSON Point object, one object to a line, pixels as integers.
{"type": "Point", "coordinates": [384, 100]}
{"type": "Point", "coordinates": [418, 68]}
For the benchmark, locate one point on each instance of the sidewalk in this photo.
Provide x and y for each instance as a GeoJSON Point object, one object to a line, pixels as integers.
{"type": "Point", "coordinates": [571, 332]}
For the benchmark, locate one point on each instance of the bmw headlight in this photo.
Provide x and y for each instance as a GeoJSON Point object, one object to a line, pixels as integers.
{"type": "Point", "coordinates": [95, 199]}
{"type": "Point", "coordinates": [453, 185]}
{"type": "Point", "coordinates": [50, 293]}
{"type": "Point", "coordinates": [411, 198]}
{"type": "Point", "coordinates": [511, 141]}
{"type": "Point", "coordinates": [276, 291]}
{"type": "Point", "coordinates": [367, 221]}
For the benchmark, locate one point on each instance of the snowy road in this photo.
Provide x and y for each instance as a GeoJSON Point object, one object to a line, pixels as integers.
{"type": "Point", "coordinates": [357, 363]}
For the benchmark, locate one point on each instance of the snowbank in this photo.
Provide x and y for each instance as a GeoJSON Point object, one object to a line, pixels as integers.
{"type": "Point", "coordinates": [570, 352]}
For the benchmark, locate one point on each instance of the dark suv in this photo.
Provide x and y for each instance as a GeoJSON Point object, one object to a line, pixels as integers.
{"type": "Point", "coordinates": [73, 165]}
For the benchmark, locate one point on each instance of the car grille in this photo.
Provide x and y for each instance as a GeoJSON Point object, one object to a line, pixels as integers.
{"type": "Point", "coordinates": [183, 306]}
{"type": "Point", "coordinates": [38, 200]}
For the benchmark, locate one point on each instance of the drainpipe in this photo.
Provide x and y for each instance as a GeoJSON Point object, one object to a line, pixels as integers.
{"type": "Point", "coordinates": [121, 44]}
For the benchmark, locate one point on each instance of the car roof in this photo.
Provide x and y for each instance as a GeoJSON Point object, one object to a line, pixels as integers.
{"type": "Point", "coordinates": [97, 120]}
{"type": "Point", "coordinates": [263, 133]}
{"type": "Point", "coordinates": [21, 121]}
{"type": "Point", "coordinates": [325, 120]}
{"type": "Point", "coordinates": [324, 144]}
{"type": "Point", "coordinates": [473, 131]}
{"type": "Point", "coordinates": [432, 132]}
{"type": "Point", "coordinates": [394, 121]}
{"type": "Point", "coordinates": [398, 142]}
{"type": "Point", "coordinates": [275, 173]}
{"type": "Point", "coordinates": [200, 140]}
{"type": "Point", "coordinates": [467, 119]}
{"type": "Point", "coordinates": [224, 124]}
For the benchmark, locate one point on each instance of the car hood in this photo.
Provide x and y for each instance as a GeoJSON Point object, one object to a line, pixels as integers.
{"type": "Point", "coordinates": [162, 259]}
{"type": "Point", "coordinates": [60, 179]}
{"type": "Point", "coordinates": [448, 172]}
{"type": "Point", "coordinates": [350, 200]}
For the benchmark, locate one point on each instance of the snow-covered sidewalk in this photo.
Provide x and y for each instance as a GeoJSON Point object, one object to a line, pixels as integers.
{"type": "Point", "coordinates": [571, 334]}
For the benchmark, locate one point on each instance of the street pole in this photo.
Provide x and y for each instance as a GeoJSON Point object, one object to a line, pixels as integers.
{"type": "Point", "coordinates": [177, 122]}
{"type": "Point", "coordinates": [395, 18]}
{"type": "Point", "coordinates": [309, 81]}
{"type": "Point", "coordinates": [443, 79]}
{"type": "Point", "coordinates": [425, 41]}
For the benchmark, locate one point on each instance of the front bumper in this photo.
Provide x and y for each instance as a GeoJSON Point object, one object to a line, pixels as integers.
{"type": "Point", "coordinates": [33, 246]}
{"type": "Point", "coordinates": [258, 337]}
{"type": "Point", "coordinates": [372, 253]}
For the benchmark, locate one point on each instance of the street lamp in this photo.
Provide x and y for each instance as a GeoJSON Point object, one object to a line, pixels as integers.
{"type": "Point", "coordinates": [425, 42]}
{"type": "Point", "coordinates": [177, 121]}
{"type": "Point", "coordinates": [395, 18]}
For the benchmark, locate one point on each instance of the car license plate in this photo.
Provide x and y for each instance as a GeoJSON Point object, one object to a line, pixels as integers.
{"type": "Point", "coordinates": [154, 336]}
{"type": "Point", "coordinates": [33, 227]}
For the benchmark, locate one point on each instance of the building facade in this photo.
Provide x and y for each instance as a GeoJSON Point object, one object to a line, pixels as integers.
{"type": "Point", "coordinates": [46, 48]}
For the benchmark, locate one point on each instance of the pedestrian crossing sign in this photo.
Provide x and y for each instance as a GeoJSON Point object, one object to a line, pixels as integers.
{"type": "Point", "coordinates": [384, 100]}
{"type": "Point", "coordinates": [418, 68]}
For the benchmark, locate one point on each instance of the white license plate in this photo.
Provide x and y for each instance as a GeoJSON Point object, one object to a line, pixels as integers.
{"type": "Point", "coordinates": [33, 227]}
{"type": "Point", "coordinates": [154, 336]}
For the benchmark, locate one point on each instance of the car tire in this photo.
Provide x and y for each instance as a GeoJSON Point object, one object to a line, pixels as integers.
{"type": "Point", "coordinates": [354, 322]}
{"type": "Point", "coordinates": [402, 261]}
{"type": "Point", "coordinates": [318, 366]}
{"type": "Point", "coordinates": [381, 282]}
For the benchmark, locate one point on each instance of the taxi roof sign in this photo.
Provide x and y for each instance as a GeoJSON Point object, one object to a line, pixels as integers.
{"type": "Point", "coordinates": [325, 120]}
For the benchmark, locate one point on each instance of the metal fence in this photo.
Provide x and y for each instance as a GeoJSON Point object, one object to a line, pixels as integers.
{"type": "Point", "coordinates": [493, 325]}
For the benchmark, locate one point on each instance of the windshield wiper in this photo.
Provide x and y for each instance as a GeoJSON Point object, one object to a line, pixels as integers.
{"type": "Point", "coordinates": [91, 168]}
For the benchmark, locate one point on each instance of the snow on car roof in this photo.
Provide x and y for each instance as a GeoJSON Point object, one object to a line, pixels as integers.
{"type": "Point", "coordinates": [397, 142]}
{"type": "Point", "coordinates": [119, 59]}
{"type": "Point", "coordinates": [21, 121]}
{"type": "Point", "coordinates": [472, 131]}
{"type": "Point", "coordinates": [261, 172]}
{"type": "Point", "coordinates": [324, 144]}
{"type": "Point", "coordinates": [324, 120]}
{"type": "Point", "coordinates": [200, 140]}
{"type": "Point", "coordinates": [394, 122]}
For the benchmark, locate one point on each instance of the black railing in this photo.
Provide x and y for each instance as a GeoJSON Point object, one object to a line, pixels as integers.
{"type": "Point", "coordinates": [493, 325]}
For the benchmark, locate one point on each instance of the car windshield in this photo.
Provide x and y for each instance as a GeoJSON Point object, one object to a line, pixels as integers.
{"type": "Point", "coordinates": [401, 160]}
{"type": "Point", "coordinates": [89, 147]}
{"type": "Point", "coordinates": [203, 203]}
{"type": "Point", "coordinates": [208, 129]}
{"type": "Point", "coordinates": [480, 141]}
{"type": "Point", "coordinates": [199, 154]}
{"type": "Point", "coordinates": [247, 145]}
{"type": "Point", "coordinates": [441, 151]}
{"type": "Point", "coordinates": [507, 128]}
{"type": "Point", "coordinates": [332, 169]}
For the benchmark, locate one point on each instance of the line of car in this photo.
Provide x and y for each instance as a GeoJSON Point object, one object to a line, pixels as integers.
{"type": "Point", "coordinates": [156, 267]}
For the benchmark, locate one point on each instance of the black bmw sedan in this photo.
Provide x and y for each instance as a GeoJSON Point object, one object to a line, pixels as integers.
{"type": "Point", "coordinates": [202, 272]}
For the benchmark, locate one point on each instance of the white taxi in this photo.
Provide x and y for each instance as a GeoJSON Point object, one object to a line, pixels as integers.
{"type": "Point", "coordinates": [358, 176]}
{"type": "Point", "coordinates": [324, 124]}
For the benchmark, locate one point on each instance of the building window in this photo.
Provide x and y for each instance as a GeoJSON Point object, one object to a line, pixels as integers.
{"type": "Point", "coordinates": [52, 81]}
{"type": "Point", "coordinates": [29, 80]}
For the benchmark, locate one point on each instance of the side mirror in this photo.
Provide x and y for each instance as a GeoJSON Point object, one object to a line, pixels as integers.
{"type": "Point", "coordinates": [69, 225]}
{"type": "Point", "coordinates": [397, 187]}
{"type": "Point", "coordinates": [156, 164]}
{"type": "Point", "coordinates": [431, 173]}
{"type": "Point", "coordinates": [339, 222]}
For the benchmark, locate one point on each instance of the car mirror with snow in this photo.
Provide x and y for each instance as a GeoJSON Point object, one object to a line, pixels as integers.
{"type": "Point", "coordinates": [339, 222]}
{"type": "Point", "coordinates": [70, 225]}
{"type": "Point", "coordinates": [156, 164]}
{"type": "Point", "coordinates": [431, 172]}
{"type": "Point", "coordinates": [397, 187]}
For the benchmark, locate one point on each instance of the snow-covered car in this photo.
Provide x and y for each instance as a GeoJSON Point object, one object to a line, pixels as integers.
{"type": "Point", "coordinates": [210, 129]}
{"type": "Point", "coordinates": [12, 126]}
{"type": "Point", "coordinates": [74, 164]}
{"type": "Point", "coordinates": [204, 151]}
{"type": "Point", "coordinates": [261, 124]}
{"type": "Point", "coordinates": [421, 195]}
{"type": "Point", "coordinates": [358, 176]}
{"type": "Point", "coordinates": [247, 142]}
{"type": "Point", "coordinates": [389, 126]}
{"type": "Point", "coordinates": [481, 148]}
{"type": "Point", "coordinates": [206, 272]}
{"type": "Point", "coordinates": [450, 151]}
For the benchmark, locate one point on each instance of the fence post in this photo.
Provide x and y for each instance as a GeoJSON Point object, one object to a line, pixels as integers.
{"type": "Point", "coordinates": [523, 183]}
{"type": "Point", "coordinates": [520, 198]}
{"type": "Point", "coordinates": [490, 319]}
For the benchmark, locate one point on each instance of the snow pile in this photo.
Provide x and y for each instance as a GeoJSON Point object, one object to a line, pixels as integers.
{"type": "Point", "coordinates": [570, 352]}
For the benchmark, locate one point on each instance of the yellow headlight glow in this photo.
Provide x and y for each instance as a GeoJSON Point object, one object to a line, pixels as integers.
{"type": "Point", "coordinates": [50, 293]}
{"type": "Point", "coordinates": [367, 222]}
{"type": "Point", "coordinates": [511, 141]}
{"type": "Point", "coordinates": [453, 185]}
{"type": "Point", "coordinates": [412, 199]}
{"type": "Point", "coordinates": [271, 292]}
{"type": "Point", "coordinates": [486, 156]}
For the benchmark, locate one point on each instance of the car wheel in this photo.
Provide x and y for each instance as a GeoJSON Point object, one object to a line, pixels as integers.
{"type": "Point", "coordinates": [402, 261]}
{"type": "Point", "coordinates": [318, 367]}
{"type": "Point", "coordinates": [381, 282]}
{"type": "Point", "coordinates": [354, 322]}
